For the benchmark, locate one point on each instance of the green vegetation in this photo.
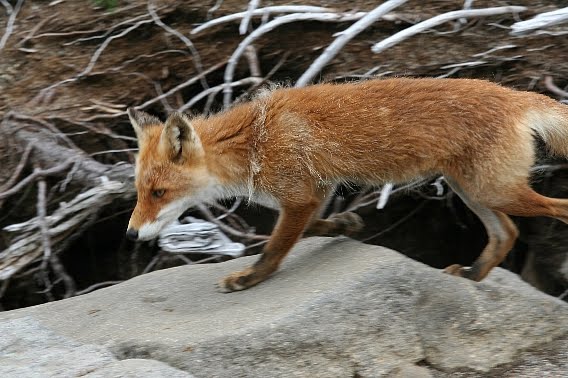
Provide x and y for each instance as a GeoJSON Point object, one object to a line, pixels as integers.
{"type": "Point", "coordinates": [107, 4]}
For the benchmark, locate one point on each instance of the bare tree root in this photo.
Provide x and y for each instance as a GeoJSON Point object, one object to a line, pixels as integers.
{"type": "Point", "coordinates": [45, 236]}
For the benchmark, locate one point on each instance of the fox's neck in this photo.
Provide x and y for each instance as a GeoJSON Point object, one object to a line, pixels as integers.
{"type": "Point", "coordinates": [226, 139]}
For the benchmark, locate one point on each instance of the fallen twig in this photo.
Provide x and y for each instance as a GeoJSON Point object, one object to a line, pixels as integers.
{"type": "Point", "coordinates": [252, 58]}
{"type": "Point", "coordinates": [549, 83]}
{"type": "Point", "coordinates": [35, 175]}
{"type": "Point", "coordinates": [229, 230]}
{"type": "Point", "coordinates": [180, 86]}
{"type": "Point", "coordinates": [96, 286]}
{"type": "Point", "coordinates": [234, 59]}
{"type": "Point", "coordinates": [345, 36]}
{"type": "Point", "coordinates": [46, 91]}
{"type": "Point", "coordinates": [12, 14]}
{"type": "Point", "coordinates": [219, 88]}
{"type": "Point", "coordinates": [540, 21]}
{"type": "Point", "coordinates": [243, 27]}
{"type": "Point", "coordinates": [18, 169]}
{"type": "Point", "coordinates": [440, 19]}
{"type": "Point", "coordinates": [107, 32]}
{"type": "Point", "coordinates": [50, 258]}
{"type": "Point", "coordinates": [38, 26]}
{"type": "Point", "coordinates": [184, 39]}
{"type": "Point", "coordinates": [61, 226]}
{"type": "Point", "coordinates": [261, 12]}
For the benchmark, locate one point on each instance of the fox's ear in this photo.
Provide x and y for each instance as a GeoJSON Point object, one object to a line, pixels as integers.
{"type": "Point", "coordinates": [140, 120]}
{"type": "Point", "coordinates": [179, 140]}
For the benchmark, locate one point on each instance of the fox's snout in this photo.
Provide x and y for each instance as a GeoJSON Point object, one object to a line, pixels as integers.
{"type": "Point", "coordinates": [132, 234]}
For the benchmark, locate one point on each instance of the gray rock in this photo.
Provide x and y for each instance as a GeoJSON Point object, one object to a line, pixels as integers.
{"type": "Point", "coordinates": [28, 349]}
{"type": "Point", "coordinates": [337, 308]}
{"type": "Point", "coordinates": [136, 368]}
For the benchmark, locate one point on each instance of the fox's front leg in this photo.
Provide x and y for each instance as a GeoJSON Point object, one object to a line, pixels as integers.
{"type": "Point", "coordinates": [290, 226]}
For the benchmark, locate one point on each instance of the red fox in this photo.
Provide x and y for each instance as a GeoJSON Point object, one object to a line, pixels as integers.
{"type": "Point", "coordinates": [291, 146]}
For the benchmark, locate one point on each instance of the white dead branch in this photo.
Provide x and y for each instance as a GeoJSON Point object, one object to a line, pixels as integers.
{"type": "Point", "coordinates": [257, 33]}
{"type": "Point", "coordinates": [193, 235]}
{"type": "Point", "coordinates": [540, 21]}
{"type": "Point", "coordinates": [261, 12]}
{"type": "Point", "coordinates": [178, 87]}
{"type": "Point", "coordinates": [106, 33]}
{"type": "Point", "coordinates": [384, 196]}
{"type": "Point", "coordinates": [243, 27]}
{"type": "Point", "coordinates": [190, 46]}
{"type": "Point", "coordinates": [440, 19]}
{"type": "Point", "coordinates": [344, 37]}
{"type": "Point", "coordinates": [549, 83]}
{"type": "Point", "coordinates": [58, 227]}
{"type": "Point", "coordinates": [218, 88]}
{"type": "Point", "coordinates": [12, 13]}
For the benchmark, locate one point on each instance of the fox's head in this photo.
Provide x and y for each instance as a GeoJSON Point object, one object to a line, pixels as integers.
{"type": "Point", "coordinates": [171, 172]}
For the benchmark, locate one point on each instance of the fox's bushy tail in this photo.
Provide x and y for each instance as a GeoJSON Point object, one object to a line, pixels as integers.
{"type": "Point", "coordinates": [552, 126]}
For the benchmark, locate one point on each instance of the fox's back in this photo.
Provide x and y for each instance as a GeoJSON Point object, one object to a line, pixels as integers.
{"type": "Point", "coordinates": [396, 129]}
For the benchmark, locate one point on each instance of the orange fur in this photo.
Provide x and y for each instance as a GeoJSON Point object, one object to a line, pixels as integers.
{"type": "Point", "coordinates": [292, 145]}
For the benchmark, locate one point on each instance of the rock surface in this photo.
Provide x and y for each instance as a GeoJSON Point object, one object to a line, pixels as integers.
{"type": "Point", "coordinates": [337, 308]}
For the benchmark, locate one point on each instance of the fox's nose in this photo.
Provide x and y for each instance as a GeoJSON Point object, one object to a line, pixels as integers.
{"type": "Point", "coordinates": [132, 234]}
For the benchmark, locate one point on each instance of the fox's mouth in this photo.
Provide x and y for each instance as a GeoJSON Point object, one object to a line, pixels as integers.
{"type": "Point", "coordinates": [167, 215]}
{"type": "Point", "coordinates": [151, 230]}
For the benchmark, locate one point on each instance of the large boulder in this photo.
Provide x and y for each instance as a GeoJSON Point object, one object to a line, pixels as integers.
{"type": "Point", "coordinates": [337, 308]}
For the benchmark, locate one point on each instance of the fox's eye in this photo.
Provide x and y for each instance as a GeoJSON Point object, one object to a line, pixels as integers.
{"type": "Point", "coordinates": [158, 193]}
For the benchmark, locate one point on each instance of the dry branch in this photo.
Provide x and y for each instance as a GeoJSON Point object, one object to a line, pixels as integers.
{"type": "Point", "coordinates": [184, 39]}
{"type": "Point", "coordinates": [344, 37]}
{"type": "Point", "coordinates": [17, 170]}
{"type": "Point", "coordinates": [89, 171]}
{"type": "Point", "coordinates": [257, 33]}
{"type": "Point", "coordinates": [12, 14]}
{"type": "Point", "coordinates": [38, 173]}
{"type": "Point", "coordinates": [105, 34]}
{"type": "Point", "coordinates": [540, 21]}
{"type": "Point", "coordinates": [261, 12]}
{"type": "Point", "coordinates": [178, 87]}
{"type": "Point", "coordinates": [62, 224]}
{"type": "Point", "coordinates": [440, 19]}
{"type": "Point", "coordinates": [243, 27]}
{"type": "Point", "coordinates": [219, 88]}
{"type": "Point", "coordinates": [549, 83]}
{"type": "Point", "coordinates": [45, 93]}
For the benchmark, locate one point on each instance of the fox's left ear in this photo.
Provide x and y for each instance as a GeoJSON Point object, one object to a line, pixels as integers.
{"type": "Point", "coordinates": [179, 139]}
{"type": "Point", "coordinates": [140, 120]}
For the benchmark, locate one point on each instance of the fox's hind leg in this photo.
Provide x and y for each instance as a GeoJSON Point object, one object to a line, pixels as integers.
{"type": "Point", "coordinates": [528, 203]}
{"type": "Point", "coordinates": [501, 232]}
{"type": "Point", "coordinates": [346, 223]}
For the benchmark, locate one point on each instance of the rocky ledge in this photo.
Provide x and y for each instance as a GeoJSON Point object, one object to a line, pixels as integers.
{"type": "Point", "coordinates": [337, 308]}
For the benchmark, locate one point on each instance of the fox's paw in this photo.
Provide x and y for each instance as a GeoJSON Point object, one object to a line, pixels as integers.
{"type": "Point", "coordinates": [240, 280]}
{"type": "Point", "coordinates": [347, 223]}
{"type": "Point", "coordinates": [461, 271]}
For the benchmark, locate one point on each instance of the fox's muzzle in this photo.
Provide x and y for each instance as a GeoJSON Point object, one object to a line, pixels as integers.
{"type": "Point", "coordinates": [132, 234]}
